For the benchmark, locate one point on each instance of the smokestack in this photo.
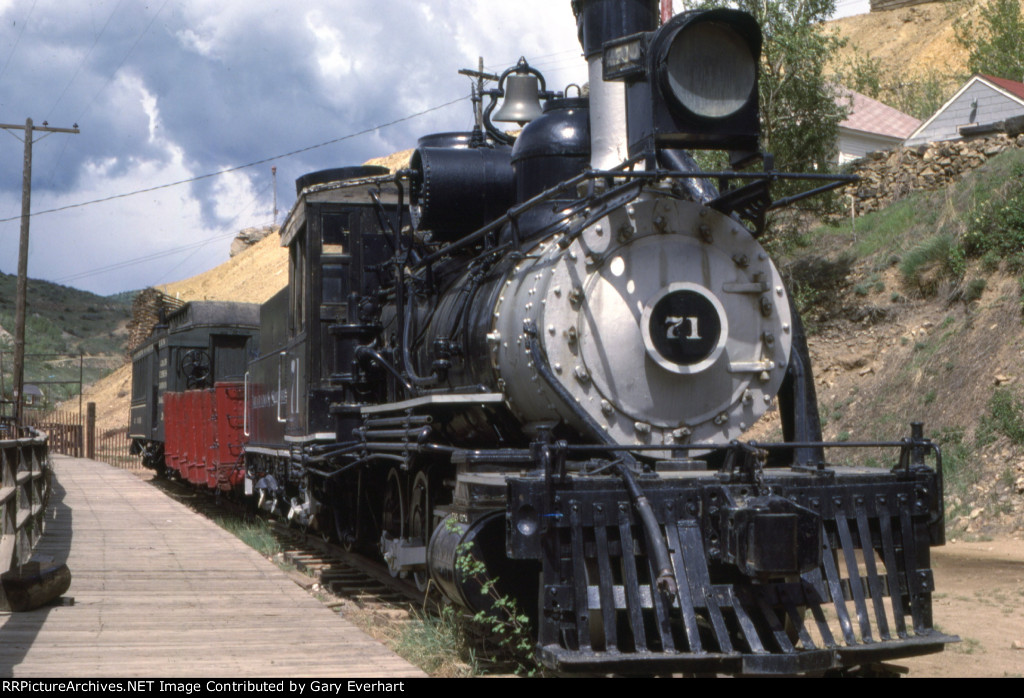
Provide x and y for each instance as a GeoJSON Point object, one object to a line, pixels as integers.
{"type": "Point", "coordinates": [599, 21]}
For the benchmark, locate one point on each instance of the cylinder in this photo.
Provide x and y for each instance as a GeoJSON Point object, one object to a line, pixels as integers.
{"type": "Point", "coordinates": [599, 21]}
{"type": "Point", "coordinates": [481, 546]}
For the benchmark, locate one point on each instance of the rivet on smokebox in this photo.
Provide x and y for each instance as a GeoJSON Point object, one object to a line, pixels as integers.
{"type": "Point", "coordinates": [576, 297]}
{"type": "Point", "coordinates": [681, 435]}
{"type": "Point", "coordinates": [581, 374]}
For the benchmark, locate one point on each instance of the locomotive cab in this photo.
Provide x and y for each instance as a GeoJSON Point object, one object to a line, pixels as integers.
{"type": "Point", "coordinates": [309, 331]}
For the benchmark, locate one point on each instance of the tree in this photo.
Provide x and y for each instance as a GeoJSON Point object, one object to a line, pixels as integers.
{"type": "Point", "coordinates": [799, 113]}
{"type": "Point", "coordinates": [918, 95]}
{"type": "Point", "coordinates": [993, 41]}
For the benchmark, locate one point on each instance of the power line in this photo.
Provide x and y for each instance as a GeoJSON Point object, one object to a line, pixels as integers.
{"type": "Point", "coordinates": [144, 258]}
{"type": "Point", "coordinates": [24, 23]}
{"type": "Point", "coordinates": [245, 166]}
{"type": "Point", "coordinates": [232, 226]}
{"type": "Point", "coordinates": [228, 230]}
{"type": "Point", "coordinates": [100, 91]}
{"type": "Point", "coordinates": [85, 58]}
{"type": "Point", "coordinates": [123, 60]}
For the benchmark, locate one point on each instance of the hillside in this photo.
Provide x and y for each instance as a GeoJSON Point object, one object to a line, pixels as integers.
{"type": "Point", "coordinates": [911, 41]}
{"type": "Point", "coordinates": [253, 276]}
{"type": "Point", "coordinates": [915, 314]}
{"type": "Point", "coordinates": [63, 321]}
{"type": "Point", "coordinates": [907, 58]}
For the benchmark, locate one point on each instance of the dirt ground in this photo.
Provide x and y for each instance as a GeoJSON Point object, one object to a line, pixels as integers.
{"type": "Point", "coordinates": [980, 597]}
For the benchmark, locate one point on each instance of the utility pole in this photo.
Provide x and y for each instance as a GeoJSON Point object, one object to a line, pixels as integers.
{"type": "Point", "coordinates": [478, 138]}
{"type": "Point", "coordinates": [273, 174]}
{"type": "Point", "coordinates": [22, 287]}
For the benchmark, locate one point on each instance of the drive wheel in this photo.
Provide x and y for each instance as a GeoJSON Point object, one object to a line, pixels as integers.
{"type": "Point", "coordinates": [393, 515]}
{"type": "Point", "coordinates": [345, 512]}
{"type": "Point", "coordinates": [421, 521]}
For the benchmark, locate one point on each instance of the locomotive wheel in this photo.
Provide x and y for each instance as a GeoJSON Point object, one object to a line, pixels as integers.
{"type": "Point", "coordinates": [393, 512]}
{"type": "Point", "coordinates": [420, 521]}
{"type": "Point", "coordinates": [345, 511]}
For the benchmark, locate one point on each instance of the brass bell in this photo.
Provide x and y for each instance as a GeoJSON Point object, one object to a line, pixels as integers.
{"type": "Point", "coordinates": [522, 99]}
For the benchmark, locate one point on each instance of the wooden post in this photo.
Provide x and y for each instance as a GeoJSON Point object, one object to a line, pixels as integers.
{"type": "Point", "coordinates": [90, 429]}
{"type": "Point", "coordinates": [21, 289]}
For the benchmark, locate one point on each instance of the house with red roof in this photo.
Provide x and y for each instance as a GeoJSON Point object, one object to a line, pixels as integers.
{"type": "Point", "coordinates": [984, 99]}
{"type": "Point", "coordinates": [870, 126]}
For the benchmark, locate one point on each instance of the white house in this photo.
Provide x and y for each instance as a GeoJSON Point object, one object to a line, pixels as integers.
{"type": "Point", "coordinates": [984, 99]}
{"type": "Point", "coordinates": [870, 126]}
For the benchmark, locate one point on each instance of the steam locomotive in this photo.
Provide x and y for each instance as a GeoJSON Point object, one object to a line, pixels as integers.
{"type": "Point", "coordinates": [540, 353]}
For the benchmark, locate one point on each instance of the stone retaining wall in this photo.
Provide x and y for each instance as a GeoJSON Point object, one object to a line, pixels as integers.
{"type": "Point", "coordinates": [892, 175]}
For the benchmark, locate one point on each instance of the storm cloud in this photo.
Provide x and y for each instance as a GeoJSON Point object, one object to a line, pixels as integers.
{"type": "Point", "coordinates": [172, 90]}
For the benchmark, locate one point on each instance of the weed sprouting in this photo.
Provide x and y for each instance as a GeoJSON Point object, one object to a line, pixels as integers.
{"type": "Point", "coordinates": [507, 625]}
{"type": "Point", "coordinates": [254, 532]}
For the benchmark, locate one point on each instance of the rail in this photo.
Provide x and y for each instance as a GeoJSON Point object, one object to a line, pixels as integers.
{"type": "Point", "coordinates": [24, 491]}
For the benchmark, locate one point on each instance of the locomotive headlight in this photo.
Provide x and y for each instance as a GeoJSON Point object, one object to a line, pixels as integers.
{"type": "Point", "coordinates": [708, 69]}
{"type": "Point", "coordinates": [692, 83]}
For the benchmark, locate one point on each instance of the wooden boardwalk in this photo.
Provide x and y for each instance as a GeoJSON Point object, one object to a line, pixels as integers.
{"type": "Point", "coordinates": [161, 591]}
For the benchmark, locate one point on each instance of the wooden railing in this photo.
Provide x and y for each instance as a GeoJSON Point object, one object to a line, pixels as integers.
{"type": "Point", "coordinates": [69, 436]}
{"type": "Point", "coordinates": [24, 491]}
{"type": "Point", "coordinates": [65, 431]}
{"type": "Point", "coordinates": [113, 448]}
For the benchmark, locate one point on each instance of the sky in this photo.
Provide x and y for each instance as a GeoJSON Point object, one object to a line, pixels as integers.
{"type": "Point", "coordinates": [184, 106]}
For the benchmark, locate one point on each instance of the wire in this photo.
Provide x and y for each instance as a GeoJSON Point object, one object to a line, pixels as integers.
{"type": "Point", "coordinates": [196, 246]}
{"type": "Point", "coordinates": [242, 167]}
{"type": "Point", "coordinates": [232, 226]}
{"type": "Point", "coordinates": [24, 23]}
{"type": "Point", "coordinates": [103, 89]}
{"type": "Point", "coordinates": [119, 65]}
{"type": "Point", "coordinates": [85, 58]}
{"type": "Point", "coordinates": [145, 258]}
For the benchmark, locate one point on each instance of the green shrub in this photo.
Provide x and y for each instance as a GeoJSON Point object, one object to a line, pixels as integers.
{"type": "Point", "coordinates": [936, 259]}
{"type": "Point", "coordinates": [973, 290]}
{"type": "Point", "coordinates": [1006, 416]}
